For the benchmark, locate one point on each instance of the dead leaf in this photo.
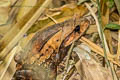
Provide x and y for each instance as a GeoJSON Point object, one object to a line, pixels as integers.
{"type": "Point", "coordinates": [89, 69]}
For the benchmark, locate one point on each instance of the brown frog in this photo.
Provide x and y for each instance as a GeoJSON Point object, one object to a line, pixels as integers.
{"type": "Point", "coordinates": [41, 55]}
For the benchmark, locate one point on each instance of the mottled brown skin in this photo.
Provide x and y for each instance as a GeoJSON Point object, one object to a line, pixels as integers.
{"type": "Point", "coordinates": [39, 56]}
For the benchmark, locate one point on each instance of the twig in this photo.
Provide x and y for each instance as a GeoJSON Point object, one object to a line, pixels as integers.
{"type": "Point", "coordinates": [68, 57]}
{"type": "Point", "coordinates": [98, 49]}
{"type": "Point", "coordinates": [52, 18]}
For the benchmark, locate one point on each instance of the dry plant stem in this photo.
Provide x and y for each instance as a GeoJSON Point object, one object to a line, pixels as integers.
{"type": "Point", "coordinates": [68, 57]}
{"type": "Point", "coordinates": [10, 71]}
{"type": "Point", "coordinates": [4, 66]}
{"type": "Point", "coordinates": [98, 50]}
{"type": "Point", "coordinates": [24, 29]}
{"type": "Point", "coordinates": [70, 72]}
{"type": "Point", "coordinates": [52, 18]}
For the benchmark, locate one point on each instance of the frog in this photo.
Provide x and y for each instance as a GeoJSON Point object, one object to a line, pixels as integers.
{"type": "Point", "coordinates": [48, 47]}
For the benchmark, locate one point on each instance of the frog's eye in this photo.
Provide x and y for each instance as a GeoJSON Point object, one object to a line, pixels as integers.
{"type": "Point", "coordinates": [57, 40]}
{"type": "Point", "coordinates": [77, 29]}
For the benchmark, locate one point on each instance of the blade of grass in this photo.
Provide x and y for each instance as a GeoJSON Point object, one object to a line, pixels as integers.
{"type": "Point", "coordinates": [105, 20]}
{"type": "Point", "coordinates": [10, 71]}
{"type": "Point", "coordinates": [102, 38]}
{"type": "Point", "coordinates": [101, 34]}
